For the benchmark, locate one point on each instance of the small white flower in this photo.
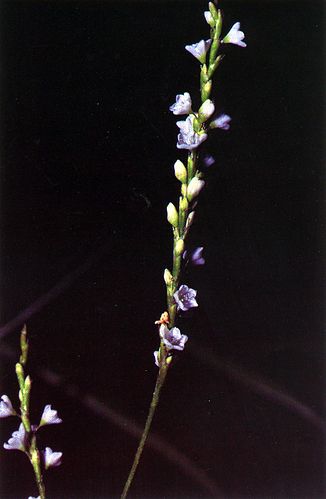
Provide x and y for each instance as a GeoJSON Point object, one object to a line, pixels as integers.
{"type": "Point", "coordinates": [188, 138]}
{"type": "Point", "coordinates": [18, 439]}
{"type": "Point", "coordinates": [235, 36]}
{"type": "Point", "coordinates": [194, 188]}
{"type": "Point", "coordinates": [6, 408]}
{"type": "Point", "coordinates": [51, 458]}
{"type": "Point", "coordinates": [172, 338]}
{"type": "Point", "coordinates": [199, 50]}
{"type": "Point", "coordinates": [222, 121]}
{"type": "Point", "coordinates": [49, 416]}
{"type": "Point", "coordinates": [182, 104]}
{"type": "Point", "coordinates": [209, 18]}
{"type": "Point", "coordinates": [30, 497]}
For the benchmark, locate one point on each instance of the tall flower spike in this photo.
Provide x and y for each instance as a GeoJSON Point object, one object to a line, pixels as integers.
{"type": "Point", "coordinates": [18, 439]}
{"type": "Point", "coordinates": [188, 138]}
{"type": "Point", "coordinates": [51, 459]}
{"type": "Point", "coordinates": [235, 36]}
{"type": "Point", "coordinates": [49, 416]}
{"type": "Point", "coordinates": [172, 338]}
{"type": "Point", "coordinates": [182, 104]}
{"type": "Point", "coordinates": [199, 50]}
{"type": "Point", "coordinates": [6, 408]}
{"type": "Point", "coordinates": [185, 298]}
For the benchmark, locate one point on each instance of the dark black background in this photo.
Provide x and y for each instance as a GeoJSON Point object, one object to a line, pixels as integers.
{"type": "Point", "coordinates": [87, 153]}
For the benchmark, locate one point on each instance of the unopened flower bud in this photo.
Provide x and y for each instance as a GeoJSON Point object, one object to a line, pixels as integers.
{"type": "Point", "coordinates": [206, 110]}
{"type": "Point", "coordinates": [206, 89]}
{"type": "Point", "coordinates": [183, 204]}
{"type": "Point", "coordinates": [180, 171]}
{"type": "Point", "coordinates": [172, 215]}
{"type": "Point", "coordinates": [209, 19]}
{"type": "Point", "coordinates": [194, 188]}
{"type": "Point", "coordinates": [179, 247]}
{"type": "Point", "coordinates": [168, 279]}
{"type": "Point", "coordinates": [190, 220]}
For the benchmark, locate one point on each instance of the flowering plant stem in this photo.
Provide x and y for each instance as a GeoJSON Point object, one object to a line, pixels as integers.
{"type": "Point", "coordinates": [25, 389]}
{"type": "Point", "coordinates": [154, 403]}
{"type": "Point", "coordinates": [193, 131]}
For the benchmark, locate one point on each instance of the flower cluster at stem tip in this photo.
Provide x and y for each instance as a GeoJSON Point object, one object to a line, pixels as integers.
{"type": "Point", "coordinates": [193, 131]}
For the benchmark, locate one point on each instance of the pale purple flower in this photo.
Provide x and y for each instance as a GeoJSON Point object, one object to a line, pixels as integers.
{"type": "Point", "coordinates": [182, 104]}
{"type": "Point", "coordinates": [199, 50]}
{"type": "Point", "coordinates": [195, 257]}
{"type": "Point", "coordinates": [49, 416]}
{"type": "Point", "coordinates": [208, 160]}
{"type": "Point", "coordinates": [188, 138]}
{"type": "Point", "coordinates": [172, 338]}
{"type": "Point", "coordinates": [235, 36]}
{"type": "Point", "coordinates": [18, 439]}
{"type": "Point", "coordinates": [185, 298]}
{"type": "Point", "coordinates": [6, 408]}
{"type": "Point", "coordinates": [51, 458]}
{"type": "Point", "coordinates": [222, 121]}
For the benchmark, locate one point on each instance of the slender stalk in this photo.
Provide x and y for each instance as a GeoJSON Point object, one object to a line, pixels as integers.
{"type": "Point", "coordinates": [155, 399]}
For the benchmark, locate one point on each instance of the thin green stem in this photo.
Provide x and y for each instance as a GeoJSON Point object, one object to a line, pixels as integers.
{"type": "Point", "coordinates": [155, 399]}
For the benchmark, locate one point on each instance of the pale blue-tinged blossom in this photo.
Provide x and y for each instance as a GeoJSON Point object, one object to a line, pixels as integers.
{"type": "Point", "coordinates": [51, 459]}
{"type": "Point", "coordinates": [6, 408]}
{"type": "Point", "coordinates": [49, 416]}
{"type": "Point", "coordinates": [199, 50]}
{"type": "Point", "coordinates": [235, 36]}
{"type": "Point", "coordinates": [17, 440]}
{"type": "Point", "coordinates": [172, 338]}
{"type": "Point", "coordinates": [188, 138]}
{"type": "Point", "coordinates": [182, 104]}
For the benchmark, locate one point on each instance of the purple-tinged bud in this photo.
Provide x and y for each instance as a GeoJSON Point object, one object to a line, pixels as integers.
{"type": "Point", "coordinates": [209, 18]}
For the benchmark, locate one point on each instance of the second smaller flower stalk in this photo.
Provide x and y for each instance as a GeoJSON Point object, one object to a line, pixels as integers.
{"type": "Point", "coordinates": [24, 439]}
